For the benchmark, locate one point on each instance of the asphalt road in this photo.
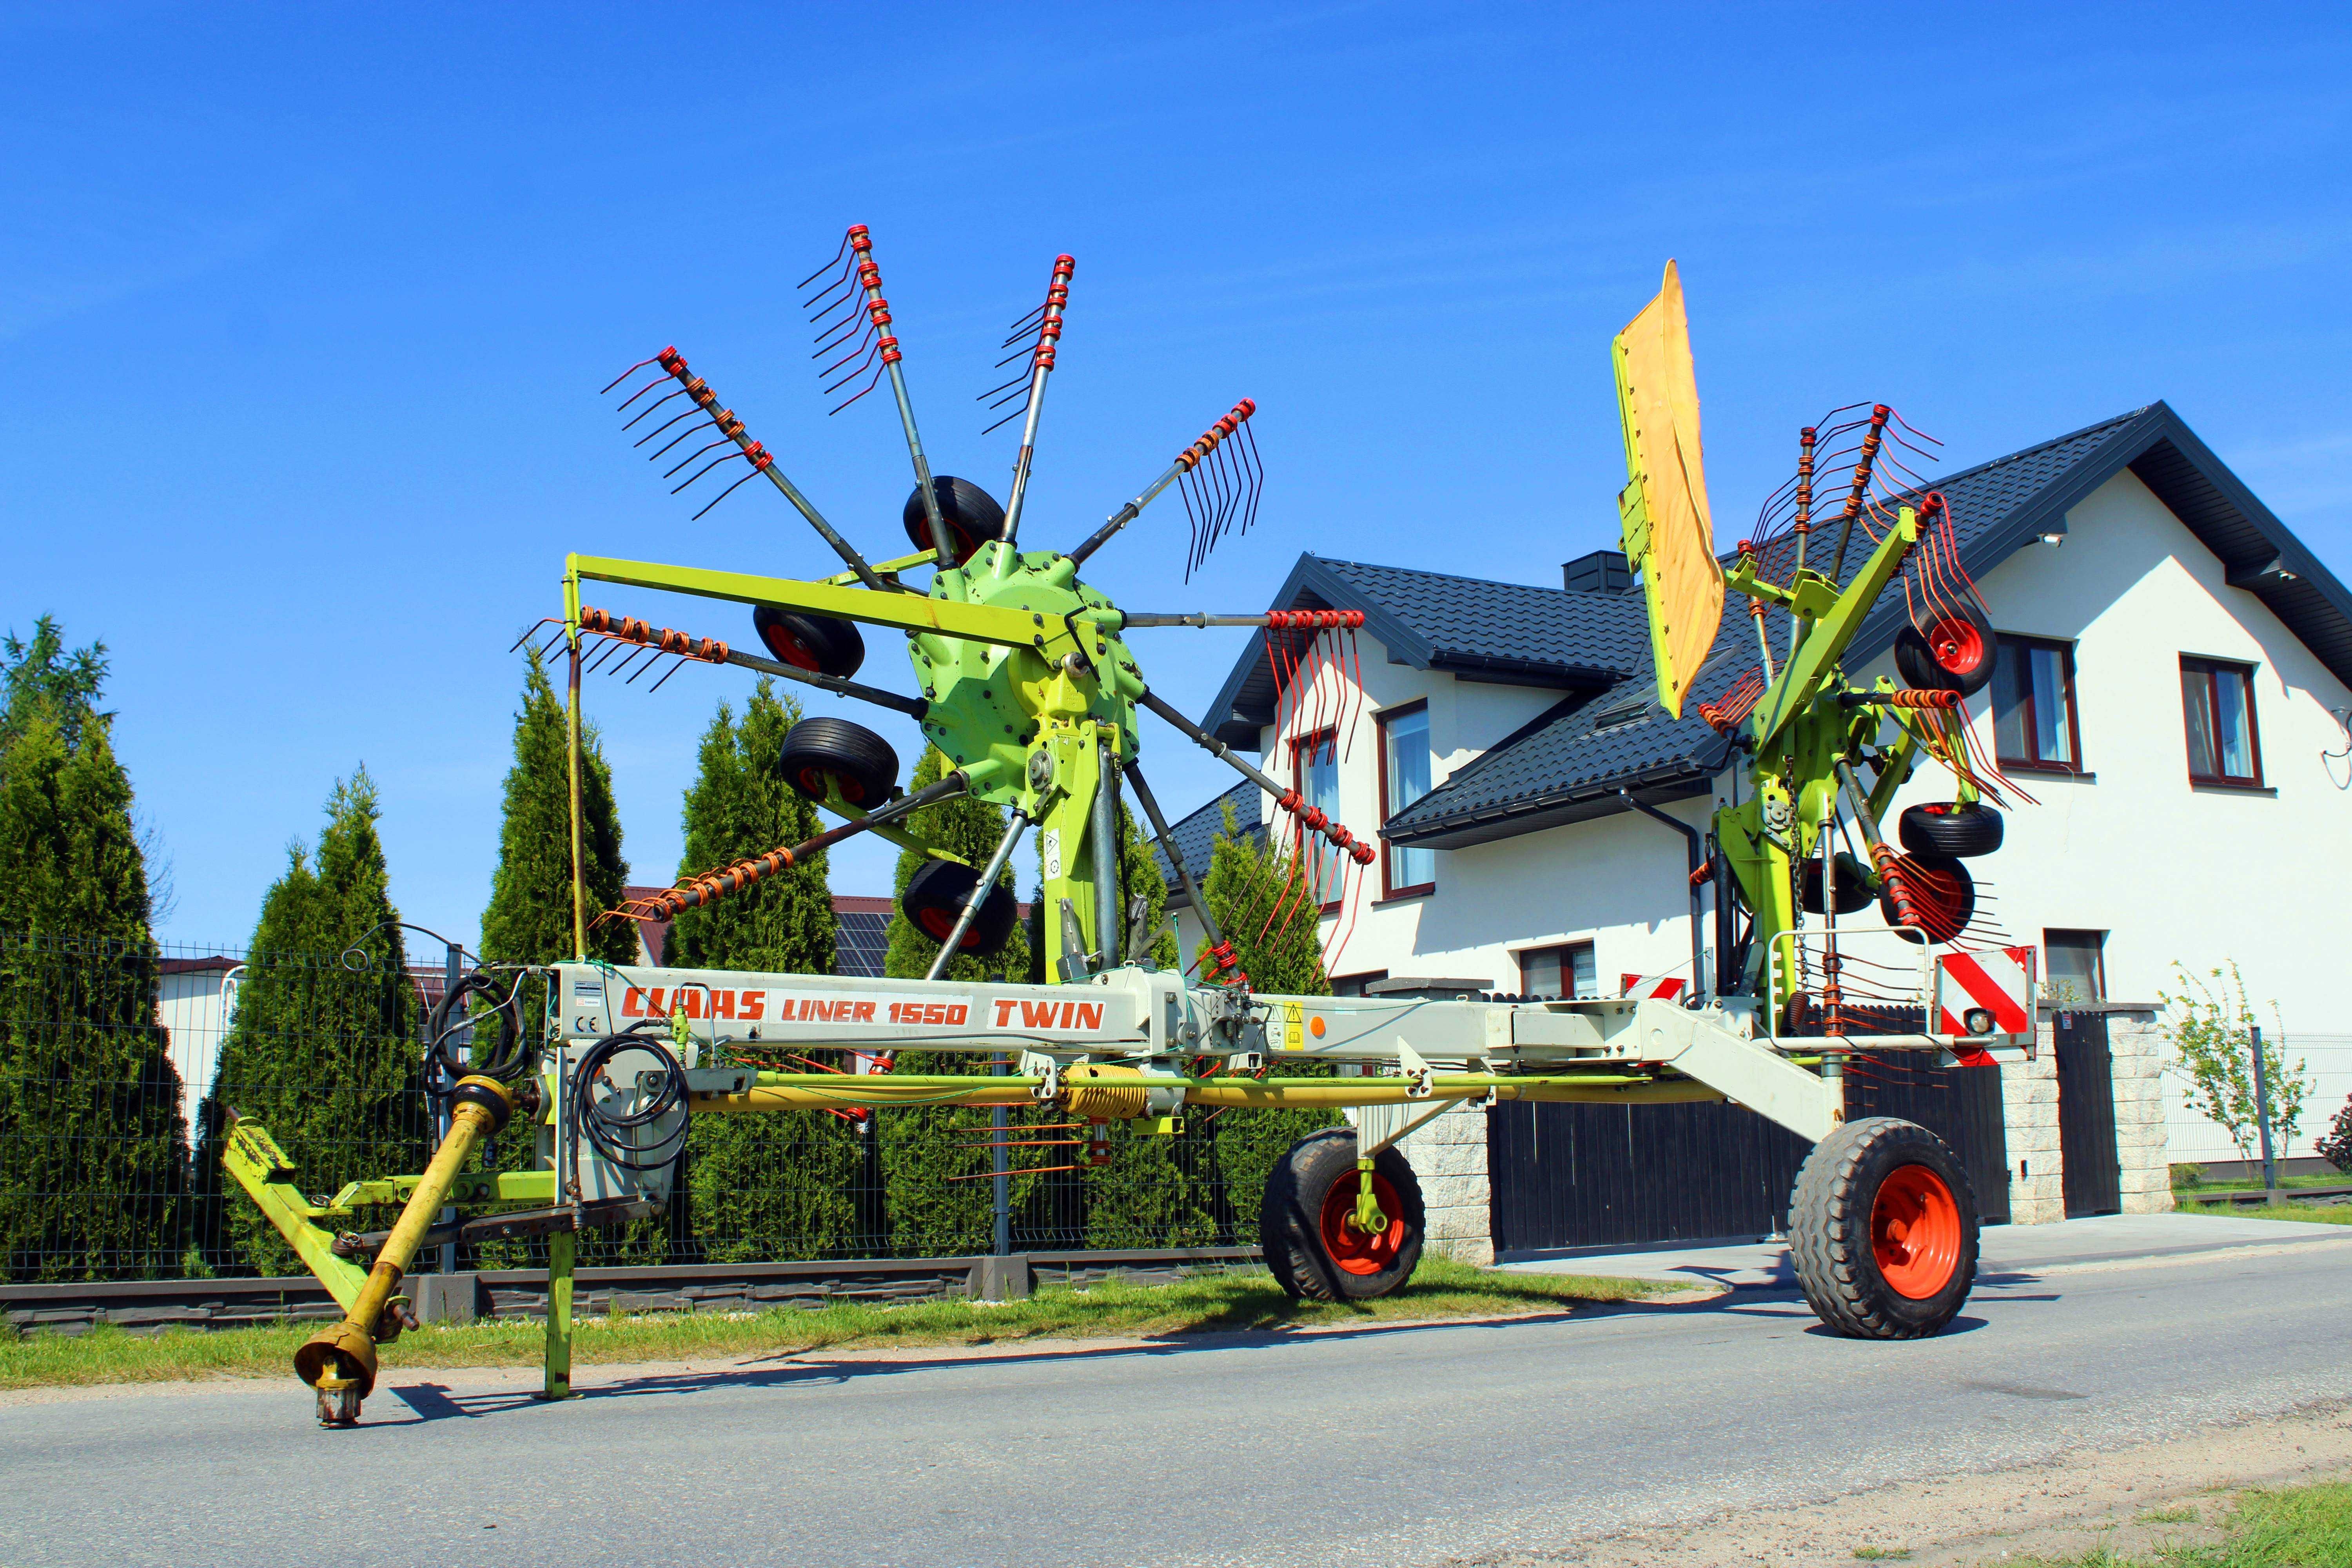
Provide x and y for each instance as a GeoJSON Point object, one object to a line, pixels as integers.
{"type": "Point", "coordinates": [1404, 1446]}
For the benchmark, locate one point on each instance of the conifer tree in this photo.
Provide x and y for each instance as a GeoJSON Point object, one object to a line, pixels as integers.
{"type": "Point", "coordinates": [921, 1148]}
{"type": "Point", "coordinates": [1255, 888]}
{"type": "Point", "coordinates": [777, 1185]}
{"type": "Point", "coordinates": [93, 1168]}
{"type": "Point", "coordinates": [1158, 1189]}
{"type": "Point", "coordinates": [529, 919]}
{"type": "Point", "coordinates": [323, 1054]}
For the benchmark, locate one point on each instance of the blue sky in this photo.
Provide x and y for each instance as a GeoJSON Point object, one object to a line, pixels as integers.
{"type": "Point", "coordinates": [306, 308]}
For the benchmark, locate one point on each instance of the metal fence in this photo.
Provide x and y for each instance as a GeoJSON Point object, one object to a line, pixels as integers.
{"type": "Point", "coordinates": [2324, 1061]}
{"type": "Point", "coordinates": [117, 1069]}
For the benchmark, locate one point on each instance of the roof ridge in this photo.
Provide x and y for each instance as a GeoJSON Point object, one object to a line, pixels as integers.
{"type": "Point", "coordinates": [1451, 576]}
{"type": "Point", "coordinates": [1939, 481]}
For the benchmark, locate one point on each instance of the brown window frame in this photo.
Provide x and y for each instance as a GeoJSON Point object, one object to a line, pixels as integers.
{"type": "Point", "coordinates": [2065, 651]}
{"type": "Point", "coordinates": [1380, 722]}
{"type": "Point", "coordinates": [1299, 745]}
{"type": "Point", "coordinates": [1566, 970]}
{"type": "Point", "coordinates": [2198, 664]}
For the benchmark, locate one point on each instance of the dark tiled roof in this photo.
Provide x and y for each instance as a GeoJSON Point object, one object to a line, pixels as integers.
{"type": "Point", "coordinates": [1508, 632]}
{"type": "Point", "coordinates": [1197, 833]}
{"type": "Point", "coordinates": [215, 965]}
{"type": "Point", "coordinates": [1569, 762]}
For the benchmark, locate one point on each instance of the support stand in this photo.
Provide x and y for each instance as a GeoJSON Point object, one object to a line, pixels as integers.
{"type": "Point", "coordinates": [559, 1316]}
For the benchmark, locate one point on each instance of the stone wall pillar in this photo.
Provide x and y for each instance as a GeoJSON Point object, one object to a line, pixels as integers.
{"type": "Point", "coordinates": [2029, 1103]}
{"type": "Point", "coordinates": [1449, 1156]}
{"type": "Point", "coordinates": [2140, 1049]}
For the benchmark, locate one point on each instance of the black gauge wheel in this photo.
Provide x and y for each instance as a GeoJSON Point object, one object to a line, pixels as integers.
{"type": "Point", "coordinates": [1953, 652]}
{"type": "Point", "coordinates": [971, 514]}
{"type": "Point", "coordinates": [823, 644]}
{"type": "Point", "coordinates": [934, 901]}
{"type": "Point", "coordinates": [824, 754]}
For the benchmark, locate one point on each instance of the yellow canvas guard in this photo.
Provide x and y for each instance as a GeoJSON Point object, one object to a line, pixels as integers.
{"type": "Point", "coordinates": [1669, 534]}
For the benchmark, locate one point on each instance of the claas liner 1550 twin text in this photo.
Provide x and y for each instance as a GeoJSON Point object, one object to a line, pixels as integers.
{"type": "Point", "coordinates": [1032, 694]}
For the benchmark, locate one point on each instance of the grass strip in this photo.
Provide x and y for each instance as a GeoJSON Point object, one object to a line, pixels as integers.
{"type": "Point", "coordinates": [2288, 1527]}
{"type": "Point", "coordinates": [1206, 1303]}
{"type": "Point", "coordinates": [2324, 1214]}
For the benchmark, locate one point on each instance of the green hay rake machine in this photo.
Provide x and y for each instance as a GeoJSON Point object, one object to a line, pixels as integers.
{"type": "Point", "coordinates": [1031, 691]}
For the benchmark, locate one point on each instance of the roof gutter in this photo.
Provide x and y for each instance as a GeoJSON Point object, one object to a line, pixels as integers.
{"type": "Point", "coordinates": [1691, 837]}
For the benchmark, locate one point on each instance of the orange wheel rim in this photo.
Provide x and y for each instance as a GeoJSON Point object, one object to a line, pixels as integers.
{"type": "Point", "coordinates": [1350, 1248]}
{"type": "Point", "coordinates": [1915, 1231]}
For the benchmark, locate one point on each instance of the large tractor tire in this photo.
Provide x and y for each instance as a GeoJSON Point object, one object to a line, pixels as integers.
{"type": "Point", "coordinates": [1883, 1229]}
{"type": "Point", "coordinates": [1307, 1226]}
{"type": "Point", "coordinates": [827, 751]}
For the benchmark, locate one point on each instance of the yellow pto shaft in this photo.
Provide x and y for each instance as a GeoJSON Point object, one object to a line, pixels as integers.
{"type": "Point", "coordinates": [339, 1362]}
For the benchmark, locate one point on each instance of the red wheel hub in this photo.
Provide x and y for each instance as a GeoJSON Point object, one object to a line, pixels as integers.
{"type": "Point", "coordinates": [936, 923]}
{"type": "Point", "coordinates": [788, 648]}
{"type": "Point", "coordinates": [1957, 644]}
{"type": "Point", "coordinates": [1350, 1248]}
{"type": "Point", "coordinates": [1915, 1231]}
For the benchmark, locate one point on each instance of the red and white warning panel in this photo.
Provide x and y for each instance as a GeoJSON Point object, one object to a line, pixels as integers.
{"type": "Point", "coordinates": [1985, 993]}
{"type": "Point", "coordinates": [1650, 988]}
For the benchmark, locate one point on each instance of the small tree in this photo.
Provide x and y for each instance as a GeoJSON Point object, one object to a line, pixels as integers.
{"type": "Point", "coordinates": [775, 1184]}
{"type": "Point", "coordinates": [1256, 888]}
{"type": "Point", "coordinates": [529, 919]}
{"type": "Point", "coordinates": [2336, 1147]}
{"type": "Point", "coordinates": [93, 1166]}
{"type": "Point", "coordinates": [922, 1151]}
{"type": "Point", "coordinates": [1258, 891]}
{"type": "Point", "coordinates": [323, 1054]}
{"type": "Point", "coordinates": [2211, 1026]}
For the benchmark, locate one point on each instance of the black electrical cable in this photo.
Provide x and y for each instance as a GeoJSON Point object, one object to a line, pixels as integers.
{"type": "Point", "coordinates": [445, 1065]}
{"type": "Point", "coordinates": [604, 1129]}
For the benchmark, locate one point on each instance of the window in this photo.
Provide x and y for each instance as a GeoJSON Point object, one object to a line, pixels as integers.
{"type": "Point", "coordinates": [1314, 774]}
{"type": "Point", "coordinates": [1559, 971]}
{"type": "Point", "coordinates": [1404, 778]}
{"type": "Point", "coordinates": [2034, 706]}
{"type": "Point", "coordinates": [2076, 964]}
{"type": "Point", "coordinates": [2217, 702]}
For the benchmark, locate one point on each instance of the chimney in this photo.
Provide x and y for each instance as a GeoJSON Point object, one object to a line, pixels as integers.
{"type": "Point", "coordinates": [1602, 572]}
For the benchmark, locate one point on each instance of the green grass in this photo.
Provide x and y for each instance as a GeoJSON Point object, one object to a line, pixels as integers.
{"type": "Point", "coordinates": [2292, 1527]}
{"type": "Point", "coordinates": [2324, 1214]}
{"type": "Point", "coordinates": [2315, 1179]}
{"type": "Point", "coordinates": [1881, 1554]}
{"type": "Point", "coordinates": [1205, 1304]}
{"type": "Point", "coordinates": [2185, 1514]}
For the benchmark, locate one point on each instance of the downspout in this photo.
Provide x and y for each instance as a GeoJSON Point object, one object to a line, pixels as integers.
{"type": "Point", "coordinates": [1692, 843]}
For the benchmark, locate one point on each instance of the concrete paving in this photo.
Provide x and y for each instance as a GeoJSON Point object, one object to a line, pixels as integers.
{"type": "Point", "coordinates": [1385, 1447]}
{"type": "Point", "coordinates": [2001, 1249]}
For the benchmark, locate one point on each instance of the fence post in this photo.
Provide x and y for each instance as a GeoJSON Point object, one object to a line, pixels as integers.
{"type": "Point", "coordinates": [999, 1181]}
{"type": "Point", "coordinates": [2262, 1116]}
{"type": "Point", "coordinates": [453, 964]}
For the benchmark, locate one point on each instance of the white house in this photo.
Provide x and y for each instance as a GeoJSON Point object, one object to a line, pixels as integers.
{"type": "Point", "coordinates": [196, 1002]}
{"type": "Point", "coordinates": [2170, 712]}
